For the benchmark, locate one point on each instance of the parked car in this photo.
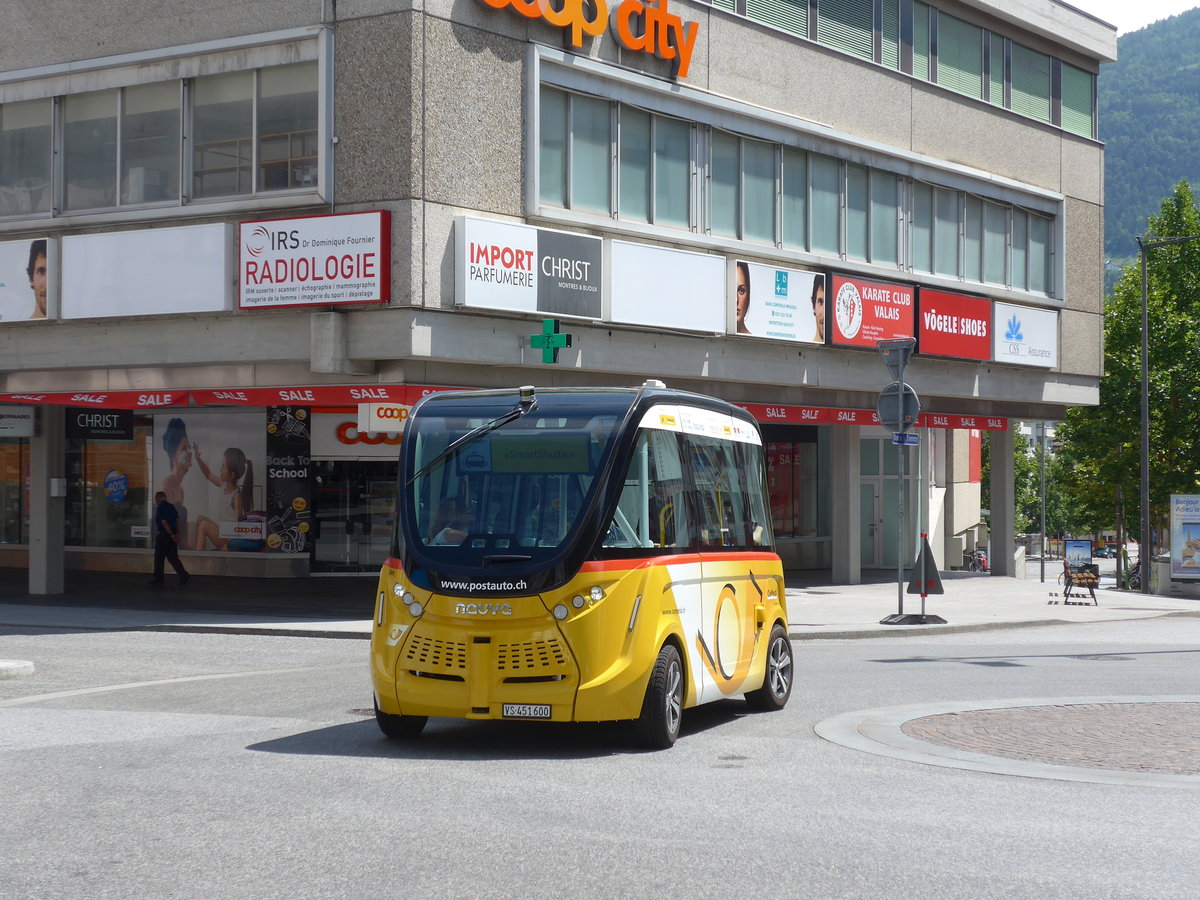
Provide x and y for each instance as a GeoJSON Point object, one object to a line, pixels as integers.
{"type": "Point", "coordinates": [1107, 551]}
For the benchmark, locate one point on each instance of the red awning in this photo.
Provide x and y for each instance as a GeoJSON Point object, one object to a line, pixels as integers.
{"type": "Point", "coordinates": [320, 395]}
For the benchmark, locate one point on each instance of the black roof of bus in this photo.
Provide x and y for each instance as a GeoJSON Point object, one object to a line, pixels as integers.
{"type": "Point", "coordinates": [620, 398]}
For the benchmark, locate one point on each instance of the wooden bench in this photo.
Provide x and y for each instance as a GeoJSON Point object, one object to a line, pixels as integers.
{"type": "Point", "coordinates": [1076, 580]}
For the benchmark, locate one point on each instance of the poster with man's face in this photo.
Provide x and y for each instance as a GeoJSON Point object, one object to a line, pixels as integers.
{"type": "Point", "coordinates": [213, 467]}
{"type": "Point", "coordinates": [784, 304]}
{"type": "Point", "coordinates": [23, 278]}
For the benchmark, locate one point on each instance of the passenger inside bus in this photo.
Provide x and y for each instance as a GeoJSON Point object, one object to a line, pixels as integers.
{"type": "Point", "coordinates": [451, 524]}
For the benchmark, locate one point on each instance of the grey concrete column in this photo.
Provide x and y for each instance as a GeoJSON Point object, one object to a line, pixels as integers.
{"type": "Point", "coordinates": [845, 524]}
{"type": "Point", "coordinates": [47, 470]}
{"type": "Point", "coordinates": [1003, 503]}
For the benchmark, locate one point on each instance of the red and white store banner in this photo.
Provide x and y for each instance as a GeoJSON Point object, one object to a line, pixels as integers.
{"type": "Point", "coordinates": [344, 395]}
{"type": "Point", "coordinates": [954, 325]}
{"type": "Point", "coordinates": [821, 415]}
{"type": "Point", "coordinates": [866, 312]}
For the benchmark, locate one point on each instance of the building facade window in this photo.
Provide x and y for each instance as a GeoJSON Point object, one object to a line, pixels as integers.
{"type": "Point", "coordinates": [771, 193]}
{"type": "Point", "coordinates": [248, 132]}
{"type": "Point", "coordinates": [946, 50]}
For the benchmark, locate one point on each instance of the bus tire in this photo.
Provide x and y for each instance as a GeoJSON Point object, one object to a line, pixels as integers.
{"type": "Point", "coordinates": [777, 683]}
{"type": "Point", "coordinates": [662, 709]}
{"type": "Point", "coordinates": [399, 726]}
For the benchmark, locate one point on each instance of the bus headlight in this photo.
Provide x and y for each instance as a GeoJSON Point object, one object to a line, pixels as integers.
{"type": "Point", "coordinates": [596, 593]}
{"type": "Point", "coordinates": [415, 609]}
{"type": "Point", "coordinates": [577, 601]}
{"type": "Point", "coordinates": [561, 611]}
{"type": "Point", "coordinates": [398, 590]}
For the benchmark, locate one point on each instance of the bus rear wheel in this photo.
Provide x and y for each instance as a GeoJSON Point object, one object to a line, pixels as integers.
{"type": "Point", "coordinates": [662, 710]}
{"type": "Point", "coordinates": [777, 685]}
{"type": "Point", "coordinates": [399, 726]}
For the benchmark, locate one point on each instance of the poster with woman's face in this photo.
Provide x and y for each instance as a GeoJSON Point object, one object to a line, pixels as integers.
{"type": "Point", "coordinates": [783, 304]}
{"type": "Point", "coordinates": [212, 467]}
{"type": "Point", "coordinates": [23, 277]}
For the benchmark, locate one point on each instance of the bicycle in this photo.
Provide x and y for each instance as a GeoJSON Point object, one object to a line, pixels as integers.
{"type": "Point", "coordinates": [975, 561]}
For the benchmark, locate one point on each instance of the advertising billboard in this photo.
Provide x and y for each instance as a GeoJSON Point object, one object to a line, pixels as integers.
{"type": "Point", "coordinates": [1024, 335]}
{"type": "Point", "coordinates": [784, 304]}
{"type": "Point", "coordinates": [954, 325]}
{"type": "Point", "coordinates": [520, 268]}
{"type": "Point", "coordinates": [315, 260]}
{"type": "Point", "coordinates": [24, 280]}
{"type": "Point", "coordinates": [1185, 537]}
{"type": "Point", "coordinates": [664, 288]}
{"type": "Point", "coordinates": [865, 312]}
{"type": "Point", "coordinates": [147, 273]}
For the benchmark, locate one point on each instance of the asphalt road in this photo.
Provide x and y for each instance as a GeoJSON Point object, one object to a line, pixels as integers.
{"type": "Point", "coordinates": [233, 766]}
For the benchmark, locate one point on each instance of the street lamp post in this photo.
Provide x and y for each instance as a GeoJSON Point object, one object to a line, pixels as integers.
{"type": "Point", "coordinates": [1144, 549]}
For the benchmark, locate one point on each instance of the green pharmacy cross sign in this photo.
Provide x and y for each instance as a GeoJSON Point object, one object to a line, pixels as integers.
{"type": "Point", "coordinates": [550, 341]}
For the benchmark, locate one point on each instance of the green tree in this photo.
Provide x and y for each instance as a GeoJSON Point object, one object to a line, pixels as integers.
{"type": "Point", "coordinates": [1104, 443]}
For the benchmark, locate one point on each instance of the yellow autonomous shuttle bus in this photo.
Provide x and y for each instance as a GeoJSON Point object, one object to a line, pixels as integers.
{"type": "Point", "coordinates": [584, 554]}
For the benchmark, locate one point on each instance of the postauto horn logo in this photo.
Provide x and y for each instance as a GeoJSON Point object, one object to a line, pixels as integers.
{"type": "Point", "coordinates": [643, 26]}
{"type": "Point", "coordinates": [258, 241]}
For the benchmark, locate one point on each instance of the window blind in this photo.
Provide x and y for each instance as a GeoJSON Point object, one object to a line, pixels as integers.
{"type": "Point", "coordinates": [1030, 83]}
{"type": "Point", "coordinates": [920, 41]}
{"type": "Point", "coordinates": [1077, 86]}
{"type": "Point", "coordinates": [790, 15]}
{"type": "Point", "coordinates": [960, 56]}
{"type": "Point", "coordinates": [847, 25]}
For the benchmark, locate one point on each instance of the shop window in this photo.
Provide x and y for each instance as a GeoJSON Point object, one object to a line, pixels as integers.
{"type": "Point", "coordinates": [109, 500]}
{"type": "Point", "coordinates": [792, 488]}
{"type": "Point", "coordinates": [945, 231]}
{"type": "Point", "coordinates": [14, 493]}
{"type": "Point", "coordinates": [995, 241]}
{"type": "Point", "coordinates": [590, 153]}
{"type": "Point", "coordinates": [672, 171]}
{"type": "Point", "coordinates": [25, 157]}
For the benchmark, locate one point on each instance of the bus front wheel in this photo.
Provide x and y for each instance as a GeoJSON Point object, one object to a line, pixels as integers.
{"type": "Point", "coordinates": [399, 726]}
{"type": "Point", "coordinates": [662, 710]}
{"type": "Point", "coordinates": [777, 685]}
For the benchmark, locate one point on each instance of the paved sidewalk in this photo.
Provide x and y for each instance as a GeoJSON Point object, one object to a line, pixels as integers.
{"type": "Point", "coordinates": [342, 607]}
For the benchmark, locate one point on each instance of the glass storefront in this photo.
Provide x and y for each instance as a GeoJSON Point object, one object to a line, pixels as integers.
{"type": "Point", "coordinates": [353, 506]}
{"type": "Point", "coordinates": [14, 491]}
{"type": "Point", "coordinates": [109, 501]}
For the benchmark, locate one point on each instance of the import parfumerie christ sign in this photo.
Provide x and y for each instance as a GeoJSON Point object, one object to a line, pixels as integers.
{"type": "Point", "coordinates": [315, 260]}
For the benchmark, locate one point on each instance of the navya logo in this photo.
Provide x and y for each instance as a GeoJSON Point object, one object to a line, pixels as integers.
{"type": "Point", "coordinates": [483, 609]}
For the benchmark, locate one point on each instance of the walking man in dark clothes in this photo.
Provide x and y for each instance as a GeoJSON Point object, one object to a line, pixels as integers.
{"type": "Point", "coordinates": [166, 539]}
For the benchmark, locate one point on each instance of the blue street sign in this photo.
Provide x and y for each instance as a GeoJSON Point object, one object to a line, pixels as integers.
{"type": "Point", "coordinates": [907, 439]}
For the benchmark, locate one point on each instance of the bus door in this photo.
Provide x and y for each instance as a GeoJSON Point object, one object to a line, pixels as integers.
{"type": "Point", "coordinates": [726, 530]}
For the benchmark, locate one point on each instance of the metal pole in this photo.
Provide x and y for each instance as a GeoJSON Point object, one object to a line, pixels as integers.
{"type": "Point", "coordinates": [900, 504]}
{"type": "Point", "coordinates": [1144, 549]}
{"type": "Point", "coordinates": [1042, 461]}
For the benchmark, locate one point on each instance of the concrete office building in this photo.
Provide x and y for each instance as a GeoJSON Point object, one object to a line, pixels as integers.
{"type": "Point", "coordinates": [236, 244]}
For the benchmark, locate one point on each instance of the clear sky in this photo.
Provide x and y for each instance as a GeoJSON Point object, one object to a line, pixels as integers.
{"type": "Point", "coordinates": [1130, 15]}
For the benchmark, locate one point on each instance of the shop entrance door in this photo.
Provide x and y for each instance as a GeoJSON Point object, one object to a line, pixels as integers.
{"type": "Point", "coordinates": [353, 506]}
{"type": "Point", "coordinates": [879, 490]}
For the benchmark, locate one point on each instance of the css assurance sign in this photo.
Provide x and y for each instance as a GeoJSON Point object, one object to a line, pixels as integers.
{"type": "Point", "coordinates": [315, 260]}
{"type": "Point", "coordinates": [1024, 335]}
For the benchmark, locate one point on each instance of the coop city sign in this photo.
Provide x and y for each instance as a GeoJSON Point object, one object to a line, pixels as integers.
{"type": "Point", "coordinates": [644, 27]}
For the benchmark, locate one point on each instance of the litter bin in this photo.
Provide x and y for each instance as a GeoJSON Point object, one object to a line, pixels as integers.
{"type": "Point", "coordinates": [1160, 574]}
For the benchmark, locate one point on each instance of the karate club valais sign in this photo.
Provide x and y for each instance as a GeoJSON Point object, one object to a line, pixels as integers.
{"type": "Point", "coordinates": [315, 260]}
{"type": "Point", "coordinates": [638, 25]}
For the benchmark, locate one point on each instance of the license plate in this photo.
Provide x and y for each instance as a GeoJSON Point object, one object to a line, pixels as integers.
{"type": "Point", "coordinates": [526, 710]}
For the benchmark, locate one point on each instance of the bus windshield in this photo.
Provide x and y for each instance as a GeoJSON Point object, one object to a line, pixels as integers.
{"type": "Point", "coordinates": [499, 483]}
